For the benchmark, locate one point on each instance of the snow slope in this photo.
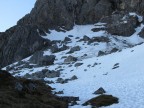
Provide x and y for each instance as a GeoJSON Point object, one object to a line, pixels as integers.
{"type": "Point", "coordinates": [124, 82]}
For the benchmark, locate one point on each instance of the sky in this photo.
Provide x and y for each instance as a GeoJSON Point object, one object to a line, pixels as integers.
{"type": "Point", "coordinates": [12, 10]}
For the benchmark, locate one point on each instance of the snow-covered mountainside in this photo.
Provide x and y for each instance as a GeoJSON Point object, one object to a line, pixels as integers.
{"type": "Point", "coordinates": [86, 60]}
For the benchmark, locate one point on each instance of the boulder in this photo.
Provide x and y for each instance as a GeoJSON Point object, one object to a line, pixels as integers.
{"type": "Point", "coordinates": [114, 50]}
{"type": "Point", "coordinates": [73, 78]}
{"type": "Point", "coordinates": [39, 59]}
{"type": "Point", "coordinates": [70, 59]}
{"type": "Point", "coordinates": [67, 39]}
{"type": "Point", "coordinates": [78, 64]}
{"type": "Point", "coordinates": [98, 39]}
{"type": "Point", "coordinates": [123, 29]}
{"type": "Point", "coordinates": [85, 38]}
{"type": "Point", "coordinates": [76, 48]}
{"type": "Point", "coordinates": [100, 91]}
{"type": "Point", "coordinates": [61, 80]}
{"type": "Point", "coordinates": [101, 53]}
{"type": "Point", "coordinates": [45, 73]}
{"type": "Point", "coordinates": [102, 100]}
{"type": "Point", "coordinates": [54, 49]}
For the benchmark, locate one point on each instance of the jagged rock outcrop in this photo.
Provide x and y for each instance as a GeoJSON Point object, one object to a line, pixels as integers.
{"type": "Point", "coordinates": [20, 42]}
{"type": "Point", "coordinates": [23, 93]}
{"type": "Point", "coordinates": [56, 14]}
{"type": "Point", "coordinates": [121, 24]}
{"type": "Point", "coordinates": [24, 39]}
{"type": "Point", "coordinates": [130, 5]}
{"type": "Point", "coordinates": [65, 13]}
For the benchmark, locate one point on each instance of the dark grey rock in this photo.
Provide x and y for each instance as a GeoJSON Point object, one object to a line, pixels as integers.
{"type": "Point", "coordinates": [76, 48]}
{"type": "Point", "coordinates": [48, 82]}
{"type": "Point", "coordinates": [101, 53]}
{"type": "Point", "coordinates": [124, 29]}
{"type": "Point", "coordinates": [69, 99]}
{"type": "Point", "coordinates": [77, 37]}
{"type": "Point", "coordinates": [42, 74]}
{"type": "Point", "coordinates": [85, 38]}
{"type": "Point", "coordinates": [121, 24]}
{"type": "Point", "coordinates": [70, 59]}
{"type": "Point", "coordinates": [27, 65]}
{"type": "Point", "coordinates": [20, 42]}
{"type": "Point", "coordinates": [73, 77]}
{"type": "Point", "coordinates": [63, 57]}
{"type": "Point", "coordinates": [39, 59]}
{"type": "Point", "coordinates": [59, 92]}
{"type": "Point", "coordinates": [64, 47]}
{"type": "Point", "coordinates": [95, 64]}
{"type": "Point", "coordinates": [24, 39]}
{"type": "Point", "coordinates": [114, 50]}
{"type": "Point", "coordinates": [78, 64]}
{"type": "Point", "coordinates": [67, 39]}
{"type": "Point", "coordinates": [8, 68]}
{"type": "Point", "coordinates": [27, 76]}
{"type": "Point", "coordinates": [52, 74]}
{"type": "Point", "coordinates": [20, 63]}
{"type": "Point", "coordinates": [116, 66]}
{"type": "Point", "coordinates": [102, 100]}
{"type": "Point", "coordinates": [31, 86]}
{"type": "Point", "coordinates": [61, 80]}
{"type": "Point", "coordinates": [45, 70]}
{"type": "Point", "coordinates": [65, 13]}
{"type": "Point", "coordinates": [100, 91]}
{"type": "Point", "coordinates": [70, 36]}
{"type": "Point", "coordinates": [98, 29]}
{"type": "Point", "coordinates": [99, 39]}
{"type": "Point", "coordinates": [141, 34]}
{"type": "Point", "coordinates": [54, 49]}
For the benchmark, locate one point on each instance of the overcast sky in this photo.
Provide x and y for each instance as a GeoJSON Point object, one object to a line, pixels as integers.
{"type": "Point", "coordinates": [12, 10]}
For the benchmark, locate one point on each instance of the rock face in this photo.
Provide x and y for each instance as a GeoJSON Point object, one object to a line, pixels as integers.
{"type": "Point", "coordinates": [130, 5]}
{"type": "Point", "coordinates": [20, 42]}
{"type": "Point", "coordinates": [22, 93]}
{"type": "Point", "coordinates": [24, 39]}
{"type": "Point", "coordinates": [64, 13]}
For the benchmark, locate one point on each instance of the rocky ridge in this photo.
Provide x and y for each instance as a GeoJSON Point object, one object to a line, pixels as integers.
{"type": "Point", "coordinates": [24, 39]}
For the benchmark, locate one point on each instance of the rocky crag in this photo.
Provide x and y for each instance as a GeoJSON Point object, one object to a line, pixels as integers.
{"type": "Point", "coordinates": [24, 39]}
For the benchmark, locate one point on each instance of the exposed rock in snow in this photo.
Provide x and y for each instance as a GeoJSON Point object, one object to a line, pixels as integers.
{"type": "Point", "coordinates": [76, 48]}
{"type": "Point", "coordinates": [100, 91]}
{"type": "Point", "coordinates": [43, 60]}
{"type": "Point", "coordinates": [102, 100]}
{"type": "Point", "coordinates": [70, 59]}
